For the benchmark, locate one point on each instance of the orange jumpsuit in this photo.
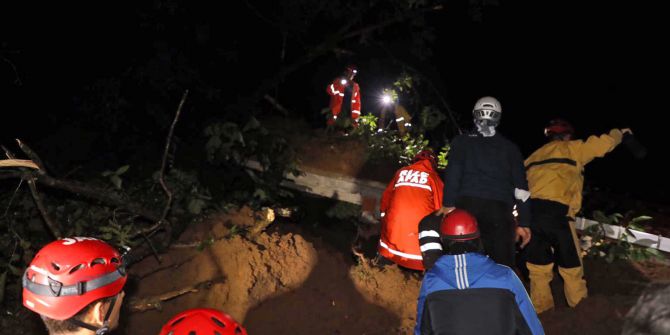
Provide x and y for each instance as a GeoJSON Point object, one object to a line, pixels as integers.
{"type": "Point", "coordinates": [414, 192]}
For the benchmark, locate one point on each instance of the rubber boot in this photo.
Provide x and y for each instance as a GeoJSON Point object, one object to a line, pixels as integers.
{"type": "Point", "coordinates": [540, 291]}
{"type": "Point", "coordinates": [574, 284]}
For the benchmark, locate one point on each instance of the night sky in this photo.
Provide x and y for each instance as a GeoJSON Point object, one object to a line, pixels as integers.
{"type": "Point", "coordinates": [600, 65]}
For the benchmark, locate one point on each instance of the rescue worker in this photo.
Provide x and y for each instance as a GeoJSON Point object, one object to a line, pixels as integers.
{"type": "Point", "coordinates": [76, 286]}
{"type": "Point", "coordinates": [485, 176]}
{"type": "Point", "coordinates": [556, 177]}
{"type": "Point", "coordinates": [414, 192]}
{"type": "Point", "coordinates": [198, 321]}
{"type": "Point", "coordinates": [465, 292]}
{"type": "Point", "coordinates": [343, 89]}
{"type": "Point", "coordinates": [391, 105]}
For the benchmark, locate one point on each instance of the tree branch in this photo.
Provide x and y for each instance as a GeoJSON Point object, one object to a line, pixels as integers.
{"type": "Point", "coordinates": [168, 204]}
{"type": "Point", "coordinates": [53, 227]}
{"type": "Point", "coordinates": [32, 155]}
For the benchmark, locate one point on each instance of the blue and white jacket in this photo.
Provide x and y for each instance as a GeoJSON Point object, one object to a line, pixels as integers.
{"type": "Point", "coordinates": [474, 270]}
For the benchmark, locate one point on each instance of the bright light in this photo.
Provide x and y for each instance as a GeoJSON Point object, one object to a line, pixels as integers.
{"type": "Point", "coordinates": [343, 81]}
{"type": "Point", "coordinates": [386, 99]}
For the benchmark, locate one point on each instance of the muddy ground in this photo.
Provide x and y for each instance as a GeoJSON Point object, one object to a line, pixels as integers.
{"type": "Point", "coordinates": [291, 281]}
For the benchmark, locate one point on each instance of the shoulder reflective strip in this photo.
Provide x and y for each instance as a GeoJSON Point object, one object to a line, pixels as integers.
{"type": "Point", "coordinates": [332, 89]}
{"type": "Point", "coordinates": [428, 233]}
{"type": "Point", "coordinates": [353, 101]}
{"type": "Point", "coordinates": [522, 195]}
{"type": "Point", "coordinates": [39, 270]}
{"type": "Point", "coordinates": [399, 119]}
{"type": "Point", "coordinates": [431, 246]}
{"type": "Point", "coordinates": [401, 254]}
{"type": "Point", "coordinates": [340, 94]}
{"type": "Point", "coordinates": [553, 160]}
{"type": "Point", "coordinates": [465, 271]}
{"type": "Point", "coordinates": [355, 112]}
{"type": "Point", "coordinates": [414, 185]}
{"type": "Point", "coordinates": [458, 278]}
{"type": "Point", "coordinates": [30, 304]}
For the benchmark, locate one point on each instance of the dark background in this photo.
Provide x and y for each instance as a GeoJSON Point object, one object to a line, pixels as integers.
{"type": "Point", "coordinates": [599, 64]}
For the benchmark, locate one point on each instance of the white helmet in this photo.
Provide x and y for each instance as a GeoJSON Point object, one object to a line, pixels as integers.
{"type": "Point", "coordinates": [487, 108]}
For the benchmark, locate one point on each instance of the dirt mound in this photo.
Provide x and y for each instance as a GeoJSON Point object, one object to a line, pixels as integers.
{"type": "Point", "coordinates": [289, 281]}
{"type": "Point", "coordinates": [279, 283]}
{"type": "Point", "coordinates": [241, 274]}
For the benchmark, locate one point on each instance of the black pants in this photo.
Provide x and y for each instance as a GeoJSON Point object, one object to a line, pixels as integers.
{"type": "Point", "coordinates": [496, 225]}
{"type": "Point", "coordinates": [552, 239]}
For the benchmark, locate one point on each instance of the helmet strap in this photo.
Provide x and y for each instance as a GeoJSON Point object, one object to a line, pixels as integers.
{"type": "Point", "coordinates": [102, 330]}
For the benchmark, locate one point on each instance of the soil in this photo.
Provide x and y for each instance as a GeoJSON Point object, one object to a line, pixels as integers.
{"type": "Point", "coordinates": [301, 278]}
{"type": "Point", "coordinates": [291, 281]}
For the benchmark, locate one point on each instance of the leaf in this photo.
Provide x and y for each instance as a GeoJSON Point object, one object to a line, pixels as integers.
{"type": "Point", "coordinates": [640, 218]}
{"type": "Point", "coordinates": [195, 206]}
{"type": "Point", "coordinates": [251, 124]}
{"type": "Point", "coordinates": [122, 170]}
{"type": "Point", "coordinates": [116, 181]}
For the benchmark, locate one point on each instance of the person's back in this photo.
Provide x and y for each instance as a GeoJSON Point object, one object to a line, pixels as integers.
{"type": "Point", "coordinates": [488, 163]}
{"type": "Point", "coordinates": [486, 177]}
{"type": "Point", "coordinates": [414, 192]}
{"type": "Point", "coordinates": [465, 292]}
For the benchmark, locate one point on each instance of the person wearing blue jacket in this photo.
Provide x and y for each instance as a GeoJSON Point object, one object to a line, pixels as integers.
{"type": "Point", "coordinates": [464, 291]}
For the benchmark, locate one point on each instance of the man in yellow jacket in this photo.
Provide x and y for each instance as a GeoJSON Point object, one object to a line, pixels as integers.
{"type": "Point", "coordinates": [555, 175]}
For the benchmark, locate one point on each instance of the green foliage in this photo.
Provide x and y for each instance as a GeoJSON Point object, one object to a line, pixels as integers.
{"type": "Point", "coordinates": [431, 117]}
{"type": "Point", "coordinates": [232, 146]}
{"type": "Point", "coordinates": [442, 160]}
{"type": "Point", "coordinates": [115, 176]}
{"type": "Point", "coordinates": [117, 234]}
{"type": "Point", "coordinates": [189, 196]}
{"type": "Point", "coordinates": [344, 211]}
{"type": "Point", "coordinates": [596, 243]}
{"type": "Point", "coordinates": [404, 83]}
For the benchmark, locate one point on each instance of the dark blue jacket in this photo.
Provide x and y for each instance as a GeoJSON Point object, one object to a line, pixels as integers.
{"type": "Point", "coordinates": [488, 168]}
{"type": "Point", "coordinates": [473, 271]}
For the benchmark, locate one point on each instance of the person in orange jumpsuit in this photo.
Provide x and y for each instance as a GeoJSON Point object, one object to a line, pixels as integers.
{"type": "Point", "coordinates": [344, 88]}
{"type": "Point", "coordinates": [414, 192]}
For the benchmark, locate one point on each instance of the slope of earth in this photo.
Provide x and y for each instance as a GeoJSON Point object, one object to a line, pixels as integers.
{"type": "Point", "coordinates": [293, 280]}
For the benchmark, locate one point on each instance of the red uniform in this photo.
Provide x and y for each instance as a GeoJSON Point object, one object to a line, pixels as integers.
{"type": "Point", "coordinates": [414, 192]}
{"type": "Point", "coordinates": [336, 91]}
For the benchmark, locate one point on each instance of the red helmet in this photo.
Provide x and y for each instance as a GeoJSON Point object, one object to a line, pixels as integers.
{"type": "Point", "coordinates": [199, 321]}
{"type": "Point", "coordinates": [459, 225]}
{"type": "Point", "coordinates": [426, 154]}
{"type": "Point", "coordinates": [69, 274]}
{"type": "Point", "coordinates": [558, 127]}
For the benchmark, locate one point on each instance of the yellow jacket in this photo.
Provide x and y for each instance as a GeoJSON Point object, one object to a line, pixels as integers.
{"type": "Point", "coordinates": [555, 171]}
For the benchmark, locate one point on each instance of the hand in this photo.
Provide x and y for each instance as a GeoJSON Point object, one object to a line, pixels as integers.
{"type": "Point", "coordinates": [523, 234]}
{"type": "Point", "coordinates": [626, 130]}
{"type": "Point", "coordinates": [444, 211]}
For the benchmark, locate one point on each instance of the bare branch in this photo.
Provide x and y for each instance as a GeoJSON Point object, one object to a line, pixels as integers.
{"type": "Point", "coordinates": [53, 227]}
{"type": "Point", "coordinates": [17, 81]}
{"type": "Point", "coordinates": [32, 155]}
{"type": "Point", "coordinates": [18, 163]}
{"type": "Point", "coordinates": [165, 155]}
